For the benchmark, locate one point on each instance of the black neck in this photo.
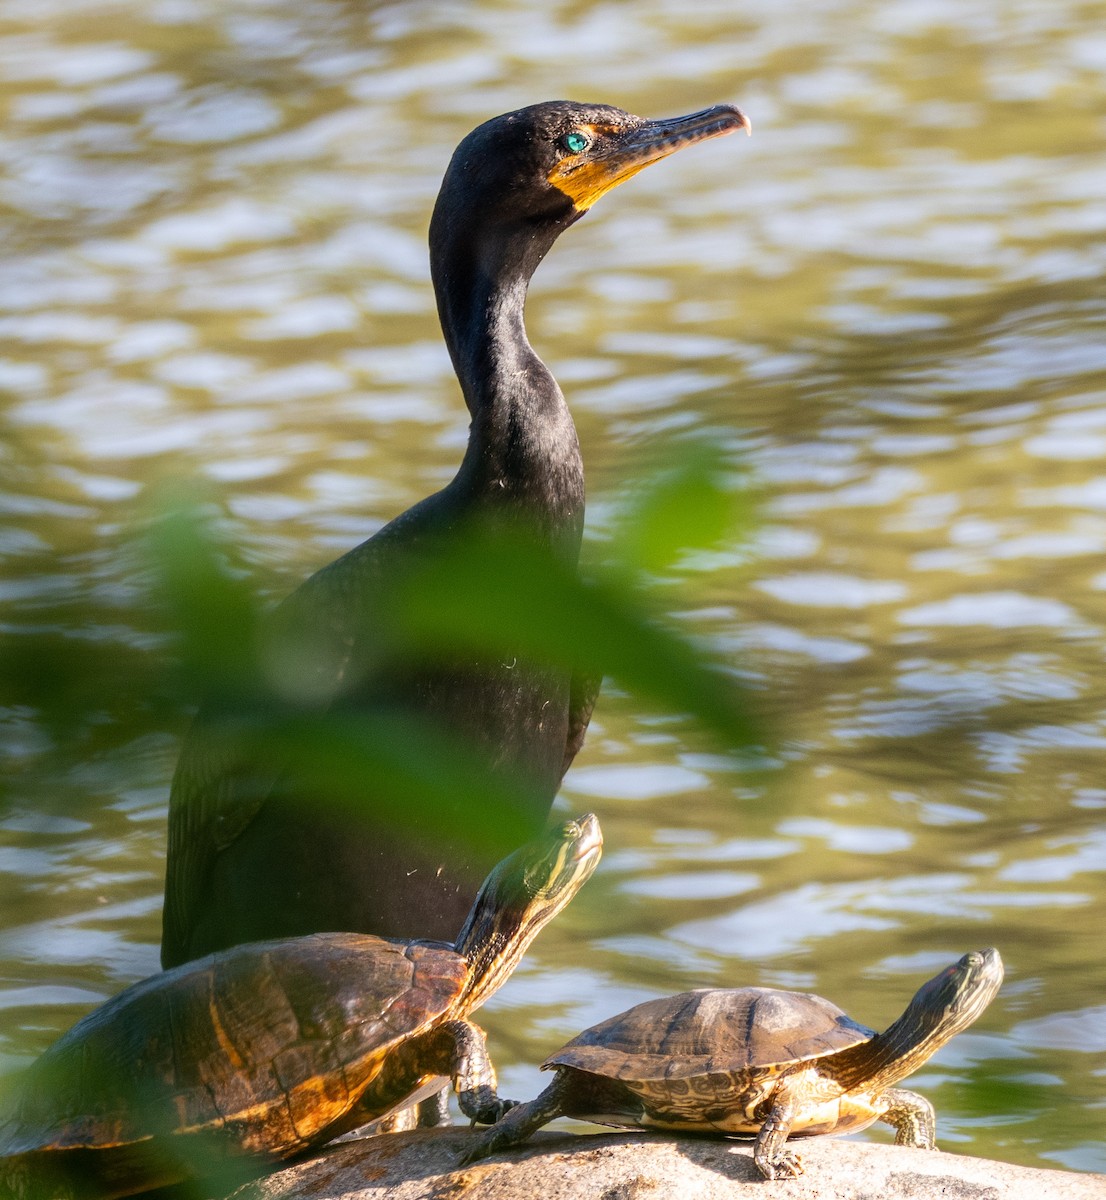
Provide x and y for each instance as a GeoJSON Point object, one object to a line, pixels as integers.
{"type": "Point", "coordinates": [522, 452]}
{"type": "Point", "coordinates": [480, 280]}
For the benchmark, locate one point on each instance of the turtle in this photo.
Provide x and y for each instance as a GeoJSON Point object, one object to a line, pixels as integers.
{"type": "Point", "coordinates": [757, 1062]}
{"type": "Point", "coordinates": [266, 1050]}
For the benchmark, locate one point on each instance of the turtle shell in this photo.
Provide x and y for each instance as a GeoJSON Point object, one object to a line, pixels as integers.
{"type": "Point", "coordinates": [711, 1031]}
{"type": "Point", "coordinates": [265, 1048]}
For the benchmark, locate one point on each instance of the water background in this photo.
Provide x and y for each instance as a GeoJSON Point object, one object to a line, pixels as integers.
{"type": "Point", "coordinates": [888, 307]}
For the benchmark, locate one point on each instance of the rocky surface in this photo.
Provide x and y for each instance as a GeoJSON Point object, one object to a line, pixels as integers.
{"type": "Point", "coordinates": [421, 1165]}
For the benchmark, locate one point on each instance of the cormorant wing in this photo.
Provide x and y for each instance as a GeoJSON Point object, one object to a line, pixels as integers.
{"type": "Point", "coordinates": [218, 789]}
{"type": "Point", "coordinates": [222, 782]}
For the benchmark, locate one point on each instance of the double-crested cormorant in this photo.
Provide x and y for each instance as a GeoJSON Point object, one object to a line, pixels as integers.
{"type": "Point", "coordinates": [252, 856]}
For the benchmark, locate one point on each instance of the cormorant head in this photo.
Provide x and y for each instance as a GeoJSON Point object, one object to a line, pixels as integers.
{"type": "Point", "coordinates": [520, 179]}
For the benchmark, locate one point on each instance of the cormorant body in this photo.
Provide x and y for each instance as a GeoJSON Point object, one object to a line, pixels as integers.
{"type": "Point", "coordinates": [253, 855]}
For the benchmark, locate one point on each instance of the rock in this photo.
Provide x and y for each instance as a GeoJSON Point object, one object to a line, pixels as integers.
{"type": "Point", "coordinates": [421, 1165]}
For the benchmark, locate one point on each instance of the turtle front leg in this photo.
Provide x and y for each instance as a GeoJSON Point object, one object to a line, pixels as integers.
{"type": "Point", "coordinates": [770, 1156]}
{"type": "Point", "coordinates": [465, 1049]}
{"type": "Point", "coordinates": [912, 1117]}
{"type": "Point", "coordinates": [518, 1124]}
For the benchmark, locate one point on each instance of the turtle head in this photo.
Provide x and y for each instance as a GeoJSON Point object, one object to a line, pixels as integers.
{"type": "Point", "coordinates": [950, 1001]}
{"type": "Point", "coordinates": [521, 895]}
{"type": "Point", "coordinates": [942, 1007]}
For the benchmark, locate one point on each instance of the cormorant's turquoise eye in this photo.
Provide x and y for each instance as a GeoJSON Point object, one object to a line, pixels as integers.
{"type": "Point", "coordinates": [575, 142]}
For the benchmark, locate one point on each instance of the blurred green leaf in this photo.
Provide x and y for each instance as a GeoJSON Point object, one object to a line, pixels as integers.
{"type": "Point", "coordinates": [382, 763]}
{"type": "Point", "coordinates": [492, 592]}
{"type": "Point", "coordinates": [213, 612]}
{"type": "Point", "coordinates": [689, 504]}
{"type": "Point", "coordinates": [203, 636]}
{"type": "Point", "coordinates": [483, 591]}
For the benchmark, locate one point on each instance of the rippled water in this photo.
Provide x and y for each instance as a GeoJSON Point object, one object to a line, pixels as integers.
{"type": "Point", "coordinates": [889, 305]}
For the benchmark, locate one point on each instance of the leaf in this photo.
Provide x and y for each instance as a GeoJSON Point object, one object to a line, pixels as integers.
{"type": "Point", "coordinates": [690, 504]}
{"type": "Point", "coordinates": [488, 592]}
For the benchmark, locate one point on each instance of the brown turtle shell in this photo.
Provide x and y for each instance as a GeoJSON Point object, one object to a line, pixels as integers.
{"type": "Point", "coordinates": [274, 1042]}
{"type": "Point", "coordinates": [711, 1031]}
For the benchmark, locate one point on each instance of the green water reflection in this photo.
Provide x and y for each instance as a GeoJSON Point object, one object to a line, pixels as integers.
{"type": "Point", "coordinates": [887, 308]}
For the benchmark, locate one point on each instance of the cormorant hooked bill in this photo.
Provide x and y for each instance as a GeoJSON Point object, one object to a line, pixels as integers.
{"type": "Point", "coordinates": [248, 859]}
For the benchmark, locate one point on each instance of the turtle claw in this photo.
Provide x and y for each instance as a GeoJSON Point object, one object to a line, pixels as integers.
{"type": "Point", "coordinates": [490, 1142]}
{"type": "Point", "coordinates": [474, 1153]}
{"type": "Point", "coordinates": [491, 1113]}
{"type": "Point", "coordinates": [782, 1166]}
{"type": "Point", "coordinates": [484, 1109]}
